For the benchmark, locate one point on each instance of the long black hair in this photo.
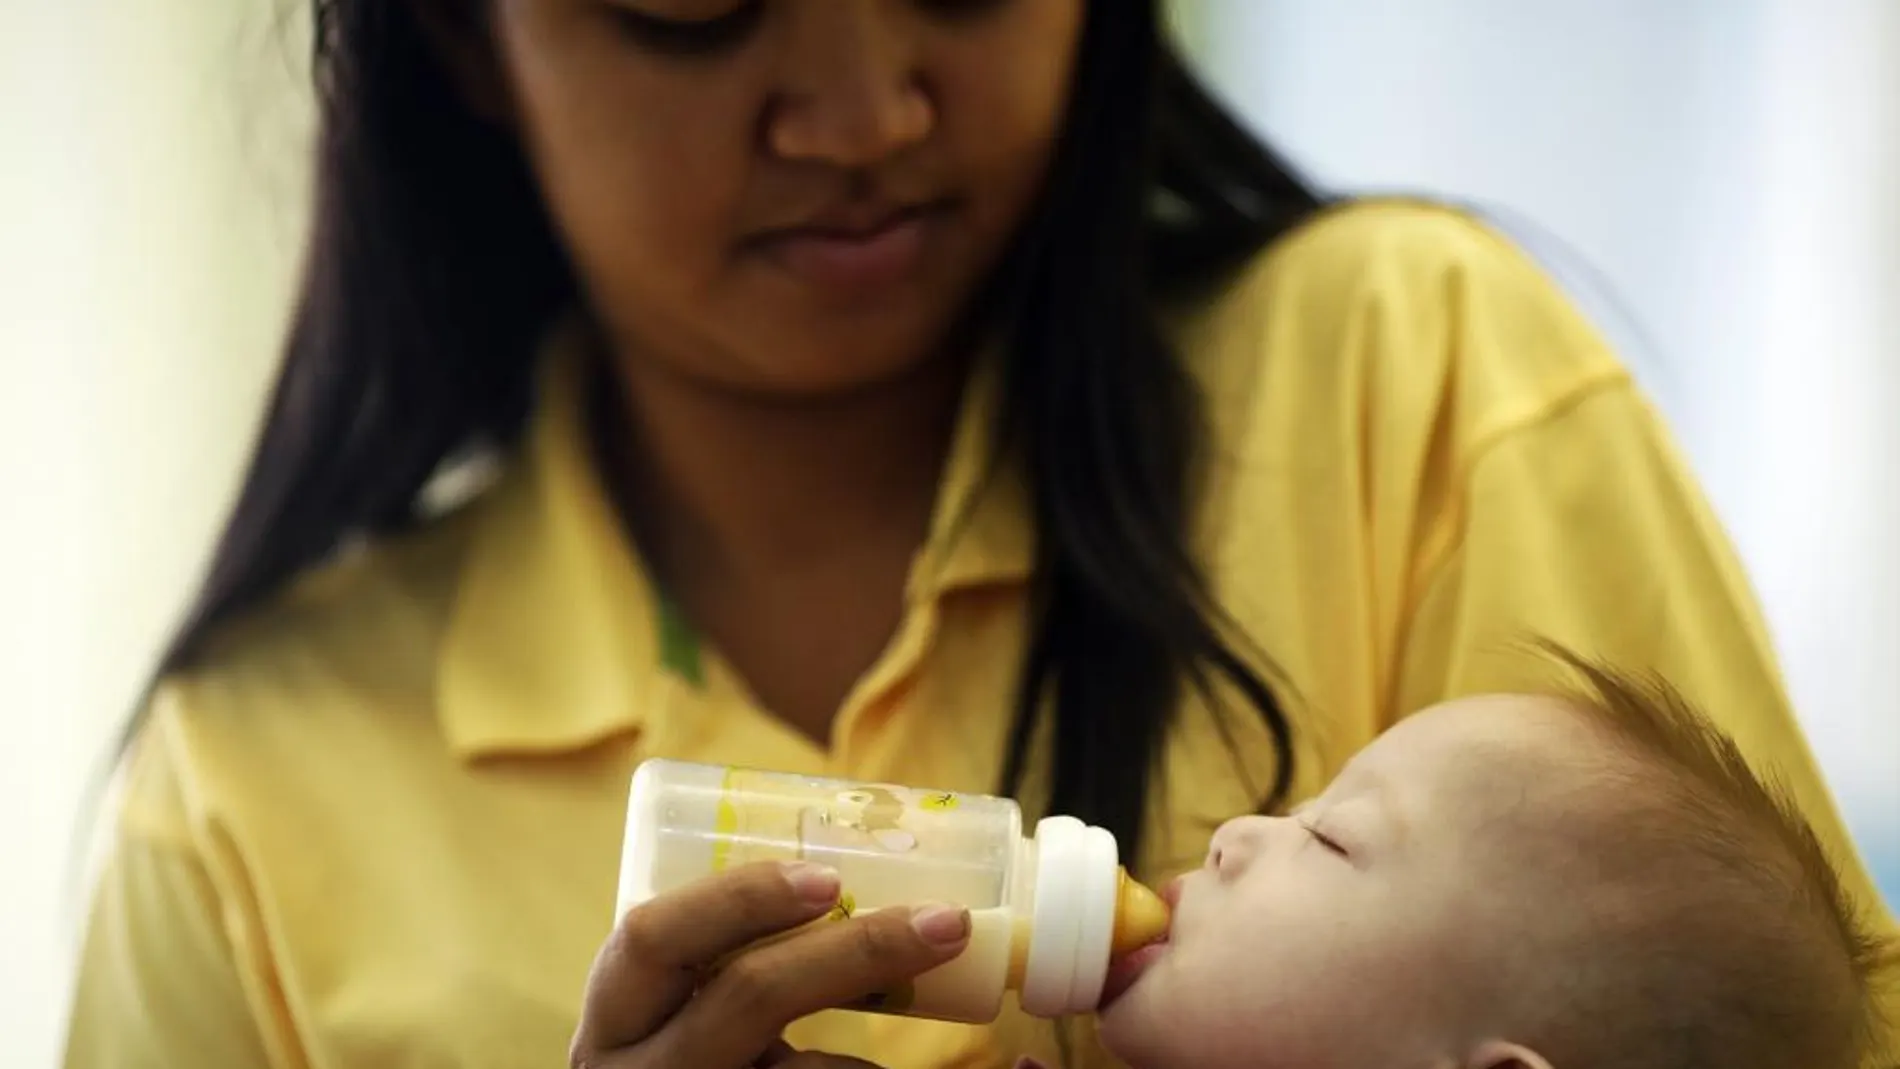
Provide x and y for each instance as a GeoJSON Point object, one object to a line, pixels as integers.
{"type": "Point", "coordinates": [433, 272]}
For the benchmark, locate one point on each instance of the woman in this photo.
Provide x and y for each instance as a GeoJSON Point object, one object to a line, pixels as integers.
{"type": "Point", "coordinates": [933, 391]}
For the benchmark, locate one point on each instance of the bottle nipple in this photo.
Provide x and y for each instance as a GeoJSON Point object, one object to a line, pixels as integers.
{"type": "Point", "coordinates": [1141, 917]}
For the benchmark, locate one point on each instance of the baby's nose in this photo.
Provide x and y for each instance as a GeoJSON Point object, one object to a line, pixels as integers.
{"type": "Point", "coordinates": [1237, 842]}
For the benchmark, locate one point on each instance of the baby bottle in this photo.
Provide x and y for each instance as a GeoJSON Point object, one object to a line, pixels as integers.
{"type": "Point", "coordinates": [1047, 913]}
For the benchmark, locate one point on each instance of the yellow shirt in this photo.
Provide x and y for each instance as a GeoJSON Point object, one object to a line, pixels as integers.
{"type": "Point", "coordinates": [380, 825]}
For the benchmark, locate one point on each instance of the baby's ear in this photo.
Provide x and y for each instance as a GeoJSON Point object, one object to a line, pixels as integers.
{"type": "Point", "coordinates": [1497, 1054]}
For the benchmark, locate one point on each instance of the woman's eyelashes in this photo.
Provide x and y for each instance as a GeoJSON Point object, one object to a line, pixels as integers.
{"type": "Point", "coordinates": [689, 38]}
{"type": "Point", "coordinates": [726, 31]}
{"type": "Point", "coordinates": [961, 8]}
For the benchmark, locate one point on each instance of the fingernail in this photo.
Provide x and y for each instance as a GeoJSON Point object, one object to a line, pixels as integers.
{"type": "Point", "coordinates": [815, 884]}
{"type": "Point", "coordinates": [941, 925]}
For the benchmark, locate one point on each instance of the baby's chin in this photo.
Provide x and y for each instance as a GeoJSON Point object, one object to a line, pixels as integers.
{"type": "Point", "coordinates": [1135, 1029]}
{"type": "Point", "coordinates": [1169, 1021]}
{"type": "Point", "coordinates": [1127, 1035]}
{"type": "Point", "coordinates": [1147, 1032]}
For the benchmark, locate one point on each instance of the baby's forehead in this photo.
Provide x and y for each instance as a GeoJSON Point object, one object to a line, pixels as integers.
{"type": "Point", "coordinates": [1520, 728]}
{"type": "Point", "coordinates": [1511, 749]}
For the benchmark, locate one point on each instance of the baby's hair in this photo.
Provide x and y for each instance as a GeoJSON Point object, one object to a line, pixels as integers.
{"type": "Point", "coordinates": [1739, 941]}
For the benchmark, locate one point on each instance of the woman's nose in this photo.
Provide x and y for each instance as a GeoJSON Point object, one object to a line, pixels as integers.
{"type": "Point", "coordinates": [851, 92]}
{"type": "Point", "coordinates": [1237, 843]}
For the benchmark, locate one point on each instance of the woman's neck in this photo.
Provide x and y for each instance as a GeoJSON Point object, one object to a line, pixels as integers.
{"type": "Point", "coordinates": [726, 487]}
{"type": "Point", "coordinates": [785, 530]}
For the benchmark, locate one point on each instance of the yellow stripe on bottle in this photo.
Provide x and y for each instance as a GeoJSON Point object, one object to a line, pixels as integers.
{"type": "Point", "coordinates": [725, 821]}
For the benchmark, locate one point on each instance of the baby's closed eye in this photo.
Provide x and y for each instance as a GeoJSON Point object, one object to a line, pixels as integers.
{"type": "Point", "coordinates": [1331, 844]}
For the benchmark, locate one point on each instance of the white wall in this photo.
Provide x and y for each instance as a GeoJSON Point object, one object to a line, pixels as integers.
{"type": "Point", "coordinates": [1731, 169]}
{"type": "Point", "coordinates": [149, 150]}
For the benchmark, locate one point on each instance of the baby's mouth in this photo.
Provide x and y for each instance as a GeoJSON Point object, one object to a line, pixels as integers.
{"type": "Point", "coordinates": [1171, 894]}
{"type": "Point", "coordinates": [1124, 971]}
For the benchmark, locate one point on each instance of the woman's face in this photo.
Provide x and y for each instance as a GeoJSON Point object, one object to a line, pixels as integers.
{"type": "Point", "coordinates": [790, 197]}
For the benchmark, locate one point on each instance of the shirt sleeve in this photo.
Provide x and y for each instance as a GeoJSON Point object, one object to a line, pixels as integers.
{"type": "Point", "coordinates": [1585, 526]}
{"type": "Point", "coordinates": [159, 981]}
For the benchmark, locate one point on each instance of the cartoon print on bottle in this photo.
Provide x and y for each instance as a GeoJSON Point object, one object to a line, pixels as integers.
{"type": "Point", "coordinates": [773, 816]}
{"type": "Point", "coordinates": [939, 802]}
{"type": "Point", "coordinates": [861, 819]}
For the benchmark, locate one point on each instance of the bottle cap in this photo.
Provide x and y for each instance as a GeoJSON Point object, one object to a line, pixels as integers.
{"type": "Point", "coordinates": [1078, 884]}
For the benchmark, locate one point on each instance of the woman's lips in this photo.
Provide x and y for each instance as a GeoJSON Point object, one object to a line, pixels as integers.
{"type": "Point", "coordinates": [856, 261]}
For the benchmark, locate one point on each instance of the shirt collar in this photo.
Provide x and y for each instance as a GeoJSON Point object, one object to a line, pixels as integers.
{"type": "Point", "coordinates": [557, 640]}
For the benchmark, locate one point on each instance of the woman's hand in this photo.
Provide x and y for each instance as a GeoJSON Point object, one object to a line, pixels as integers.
{"type": "Point", "coordinates": [654, 999]}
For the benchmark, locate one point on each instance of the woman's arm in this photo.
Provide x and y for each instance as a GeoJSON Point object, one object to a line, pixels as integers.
{"type": "Point", "coordinates": [159, 985]}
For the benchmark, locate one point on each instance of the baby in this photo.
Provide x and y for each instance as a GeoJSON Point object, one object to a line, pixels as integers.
{"type": "Point", "coordinates": [1513, 883]}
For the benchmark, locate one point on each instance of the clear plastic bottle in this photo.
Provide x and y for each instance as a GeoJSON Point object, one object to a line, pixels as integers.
{"type": "Point", "coordinates": [1047, 913]}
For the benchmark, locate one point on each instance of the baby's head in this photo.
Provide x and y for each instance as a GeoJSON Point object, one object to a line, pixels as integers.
{"type": "Point", "coordinates": [1514, 883]}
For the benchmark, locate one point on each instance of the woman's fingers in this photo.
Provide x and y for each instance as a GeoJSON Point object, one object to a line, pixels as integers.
{"type": "Point", "coordinates": [655, 999]}
{"type": "Point", "coordinates": [650, 966]}
{"type": "Point", "coordinates": [741, 1011]}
